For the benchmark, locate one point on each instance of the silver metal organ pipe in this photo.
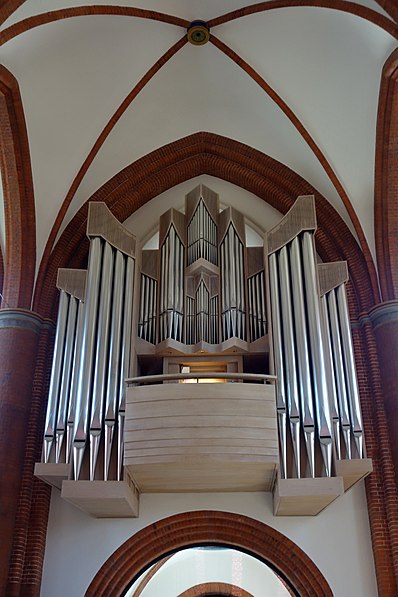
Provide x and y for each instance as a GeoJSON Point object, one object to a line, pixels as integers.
{"type": "Point", "coordinates": [86, 362]}
{"type": "Point", "coordinates": [349, 362]}
{"type": "Point", "coordinates": [74, 379]}
{"type": "Point", "coordinates": [232, 282]}
{"type": "Point", "coordinates": [304, 373]}
{"type": "Point", "coordinates": [101, 357]}
{"type": "Point", "coordinates": [278, 359]}
{"type": "Point", "coordinates": [66, 378]}
{"type": "Point", "coordinates": [124, 358]}
{"type": "Point", "coordinates": [339, 371]}
{"type": "Point", "coordinates": [53, 396]}
{"type": "Point", "coordinates": [114, 357]}
{"type": "Point", "coordinates": [317, 352]}
{"type": "Point", "coordinates": [330, 372]}
{"type": "Point", "coordinates": [290, 358]}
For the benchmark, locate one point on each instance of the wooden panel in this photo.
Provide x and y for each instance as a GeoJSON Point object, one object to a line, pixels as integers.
{"type": "Point", "coordinates": [305, 497]}
{"type": "Point", "coordinates": [103, 499]}
{"type": "Point", "coordinates": [300, 217]}
{"type": "Point", "coordinates": [149, 263]}
{"type": "Point", "coordinates": [102, 222]}
{"type": "Point", "coordinates": [353, 471]}
{"type": "Point", "coordinates": [51, 473]}
{"type": "Point", "coordinates": [72, 281]}
{"type": "Point", "coordinates": [331, 275]}
{"type": "Point", "coordinates": [201, 437]}
{"type": "Point", "coordinates": [255, 260]}
{"type": "Point", "coordinates": [201, 476]}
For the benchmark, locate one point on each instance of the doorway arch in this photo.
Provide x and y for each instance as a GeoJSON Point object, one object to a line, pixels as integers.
{"type": "Point", "coordinates": [208, 527]}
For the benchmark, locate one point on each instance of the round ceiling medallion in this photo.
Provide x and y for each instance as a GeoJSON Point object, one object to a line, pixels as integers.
{"type": "Point", "coordinates": [198, 33]}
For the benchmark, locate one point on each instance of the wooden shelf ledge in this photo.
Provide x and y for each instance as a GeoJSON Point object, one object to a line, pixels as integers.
{"type": "Point", "coordinates": [305, 497]}
{"type": "Point", "coordinates": [51, 473]}
{"type": "Point", "coordinates": [103, 499]}
{"type": "Point", "coordinates": [353, 471]}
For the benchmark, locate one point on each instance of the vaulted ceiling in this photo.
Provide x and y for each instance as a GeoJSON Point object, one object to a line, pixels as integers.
{"type": "Point", "coordinates": [102, 86]}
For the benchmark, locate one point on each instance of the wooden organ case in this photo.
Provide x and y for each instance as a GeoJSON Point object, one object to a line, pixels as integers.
{"type": "Point", "coordinates": [167, 376]}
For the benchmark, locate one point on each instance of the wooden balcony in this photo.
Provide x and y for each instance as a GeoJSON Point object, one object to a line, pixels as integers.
{"type": "Point", "coordinates": [182, 437]}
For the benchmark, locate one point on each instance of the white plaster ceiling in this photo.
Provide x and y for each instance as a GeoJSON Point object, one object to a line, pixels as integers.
{"type": "Point", "coordinates": [74, 73]}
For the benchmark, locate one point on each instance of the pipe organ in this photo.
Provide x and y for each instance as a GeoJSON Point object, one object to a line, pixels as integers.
{"type": "Point", "coordinates": [92, 355]}
{"type": "Point", "coordinates": [204, 295]}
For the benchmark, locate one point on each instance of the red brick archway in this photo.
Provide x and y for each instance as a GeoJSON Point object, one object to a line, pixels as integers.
{"type": "Point", "coordinates": [208, 528]}
{"type": "Point", "coordinates": [209, 589]}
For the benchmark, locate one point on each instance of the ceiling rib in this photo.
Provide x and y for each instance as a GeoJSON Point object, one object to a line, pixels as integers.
{"type": "Point", "coordinates": [341, 5]}
{"type": "Point", "coordinates": [83, 11]}
{"type": "Point", "coordinates": [101, 140]}
{"type": "Point", "coordinates": [253, 74]}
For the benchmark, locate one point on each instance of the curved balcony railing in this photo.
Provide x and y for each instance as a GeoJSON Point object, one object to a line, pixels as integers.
{"type": "Point", "coordinates": [167, 377]}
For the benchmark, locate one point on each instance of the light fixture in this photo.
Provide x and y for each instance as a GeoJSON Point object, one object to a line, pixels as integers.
{"type": "Point", "coordinates": [198, 33]}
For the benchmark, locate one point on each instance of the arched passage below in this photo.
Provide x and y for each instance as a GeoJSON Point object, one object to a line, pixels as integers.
{"type": "Point", "coordinates": [207, 527]}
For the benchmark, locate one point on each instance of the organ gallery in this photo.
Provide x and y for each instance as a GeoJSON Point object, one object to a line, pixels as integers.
{"type": "Point", "coordinates": [204, 364]}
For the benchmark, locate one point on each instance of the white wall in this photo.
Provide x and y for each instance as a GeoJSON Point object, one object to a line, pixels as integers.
{"type": "Point", "coordinates": [337, 540]}
{"type": "Point", "coordinates": [192, 567]}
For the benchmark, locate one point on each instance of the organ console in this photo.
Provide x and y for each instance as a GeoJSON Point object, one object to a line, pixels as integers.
{"type": "Point", "coordinates": [201, 297]}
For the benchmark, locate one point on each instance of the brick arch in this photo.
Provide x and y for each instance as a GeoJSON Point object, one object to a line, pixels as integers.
{"type": "Point", "coordinates": [212, 589]}
{"type": "Point", "coordinates": [207, 153]}
{"type": "Point", "coordinates": [207, 527]}
{"type": "Point", "coordinates": [19, 208]}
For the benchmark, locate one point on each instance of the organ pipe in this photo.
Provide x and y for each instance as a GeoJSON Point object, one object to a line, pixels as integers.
{"type": "Point", "coordinates": [303, 360]}
{"type": "Point", "coordinates": [56, 373]}
{"type": "Point", "coordinates": [86, 362]}
{"type": "Point", "coordinates": [124, 363]}
{"type": "Point", "coordinates": [317, 353]}
{"type": "Point", "coordinates": [66, 376]}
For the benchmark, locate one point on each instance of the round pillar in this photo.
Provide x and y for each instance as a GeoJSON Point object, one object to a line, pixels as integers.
{"type": "Point", "coordinates": [384, 318]}
{"type": "Point", "coordinates": [19, 338]}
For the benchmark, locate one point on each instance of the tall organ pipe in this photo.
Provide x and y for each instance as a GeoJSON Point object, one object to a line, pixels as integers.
{"type": "Point", "coordinates": [304, 377]}
{"type": "Point", "coordinates": [113, 372]}
{"type": "Point", "coordinates": [339, 371]}
{"type": "Point", "coordinates": [66, 377]}
{"type": "Point", "coordinates": [349, 362]}
{"type": "Point", "coordinates": [74, 379]}
{"type": "Point", "coordinates": [331, 374]}
{"type": "Point", "coordinates": [101, 358]}
{"type": "Point", "coordinates": [290, 357]}
{"type": "Point", "coordinates": [124, 359]}
{"type": "Point", "coordinates": [278, 359]}
{"type": "Point", "coordinates": [56, 372]}
{"type": "Point", "coordinates": [317, 352]}
{"type": "Point", "coordinates": [86, 362]}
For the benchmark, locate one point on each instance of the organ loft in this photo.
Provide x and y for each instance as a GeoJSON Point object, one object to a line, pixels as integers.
{"type": "Point", "coordinates": [204, 364]}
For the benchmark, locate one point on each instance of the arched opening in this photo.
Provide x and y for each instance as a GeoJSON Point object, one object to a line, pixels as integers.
{"type": "Point", "coordinates": [208, 528]}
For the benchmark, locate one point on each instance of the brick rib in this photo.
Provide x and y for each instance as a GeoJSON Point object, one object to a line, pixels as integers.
{"type": "Point", "coordinates": [386, 180]}
{"type": "Point", "coordinates": [19, 206]}
{"type": "Point", "coordinates": [83, 11]}
{"type": "Point", "coordinates": [97, 146]}
{"type": "Point", "coordinates": [341, 5]}
{"type": "Point", "coordinates": [253, 74]}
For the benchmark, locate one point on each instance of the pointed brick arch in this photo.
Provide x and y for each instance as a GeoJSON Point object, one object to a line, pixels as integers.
{"type": "Point", "coordinates": [208, 527]}
{"type": "Point", "coordinates": [224, 158]}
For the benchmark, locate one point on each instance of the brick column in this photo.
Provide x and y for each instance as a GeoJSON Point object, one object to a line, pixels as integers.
{"type": "Point", "coordinates": [19, 338]}
{"type": "Point", "coordinates": [384, 318]}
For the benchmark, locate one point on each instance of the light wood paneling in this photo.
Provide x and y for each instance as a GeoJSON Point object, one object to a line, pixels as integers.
{"type": "Point", "coordinates": [305, 497]}
{"type": "Point", "coordinates": [51, 473]}
{"type": "Point", "coordinates": [103, 499]}
{"type": "Point", "coordinates": [353, 471]}
{"type": "Point", "coordinates": [201, 437]}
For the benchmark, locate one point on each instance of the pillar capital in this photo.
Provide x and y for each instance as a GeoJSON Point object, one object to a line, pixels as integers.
{"type": "Point", "coordinates": [384, 314]}
{"type": "Point", "coordinates": [24, 319]}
